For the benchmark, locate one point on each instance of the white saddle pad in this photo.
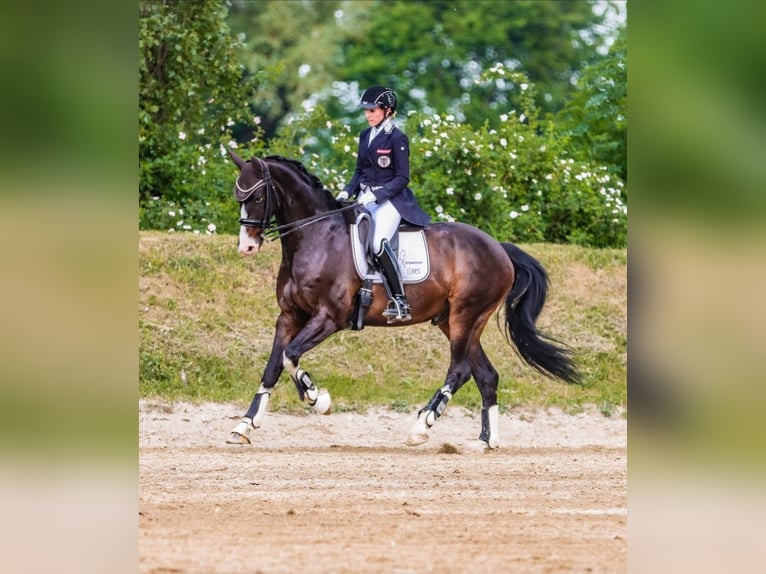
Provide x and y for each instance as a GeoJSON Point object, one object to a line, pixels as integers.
{"type": "Point", "coordinates": [412, 255]}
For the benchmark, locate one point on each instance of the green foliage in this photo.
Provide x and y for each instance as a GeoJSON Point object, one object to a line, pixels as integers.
{"type": "Point", "coordinates": [596, 116]}
{"type": "Point", "coordinates": [290, 47]}
{"type": "Point", "coordinates": [438, 49]}
{"type": "Point", "coordinates": [513, 172]}
{"type": "Point", "coordinates": [518, 181]}
{"type": "Point", "coordinates": [191, 94]}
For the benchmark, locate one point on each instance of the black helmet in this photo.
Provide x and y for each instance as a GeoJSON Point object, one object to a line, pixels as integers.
{"type": "Point", "coordinates": [378, 97]}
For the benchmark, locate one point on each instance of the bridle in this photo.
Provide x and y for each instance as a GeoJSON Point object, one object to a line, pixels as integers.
{"type": "Point", "coordinates": [268, 230]}
{"type": "Point", "coordinates": [271, 197]}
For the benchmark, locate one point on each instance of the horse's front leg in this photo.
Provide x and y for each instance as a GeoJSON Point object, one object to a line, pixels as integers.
{"type": "Point", "coordinates": [316, 330]}
{"type": "Point", "coordinates": [285, 354]}
{"type": "Point", "coordinates": [285, 331]}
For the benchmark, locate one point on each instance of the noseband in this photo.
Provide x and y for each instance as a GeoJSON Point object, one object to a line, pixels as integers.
{"type": "Point", "coordinates": [243, 194]}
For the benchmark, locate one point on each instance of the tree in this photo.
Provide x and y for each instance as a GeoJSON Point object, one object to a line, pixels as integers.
{"type": "Point", "coordinates": [190, 90]}
{"type": "Point", "coordinates": [290, 47]}
{"type": "Point", "coordinates": [595, 118]}
{"type": "Point", "coordinates": [434, 51]}
{"type": "Point", "coordinates": [431, 51]}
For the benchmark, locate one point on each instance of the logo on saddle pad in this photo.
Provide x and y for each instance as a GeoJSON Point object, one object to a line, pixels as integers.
{"type": "Point", "coordinates": [411, 253]}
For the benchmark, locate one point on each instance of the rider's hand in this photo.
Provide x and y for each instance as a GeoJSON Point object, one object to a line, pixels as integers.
{"type": "Point", "coordinates": [366, 198]}
{"type": "Point", "coordinates": [342, 196]}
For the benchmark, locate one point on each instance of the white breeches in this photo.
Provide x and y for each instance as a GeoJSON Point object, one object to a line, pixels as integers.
{"type": "Point", "coordinates": [386, 219]}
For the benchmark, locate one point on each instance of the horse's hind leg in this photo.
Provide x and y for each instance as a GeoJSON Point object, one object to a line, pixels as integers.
{"type": "Point", "coordinates": [458, 373]}
{"type": "Point", "coordinates": [486, 379]}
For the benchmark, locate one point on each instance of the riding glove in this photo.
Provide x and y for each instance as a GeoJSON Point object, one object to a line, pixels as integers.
{"type": "Point", "coordinates": [366, 197]}
{"type": "Point", "coordinates": [342, 196]}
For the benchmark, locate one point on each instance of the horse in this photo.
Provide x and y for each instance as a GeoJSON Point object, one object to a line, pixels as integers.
{"type": "Point", "coordinates": [471, 276]}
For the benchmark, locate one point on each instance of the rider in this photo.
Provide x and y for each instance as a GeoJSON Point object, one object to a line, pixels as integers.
{"type": "Point", "coordinates": [380, 184]}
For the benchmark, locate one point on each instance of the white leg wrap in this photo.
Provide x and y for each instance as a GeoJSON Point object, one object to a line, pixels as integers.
{"type": "Point", "coordinates": [494, 427]}
{"type": "Point", "coordinates": [318, 398]}
{"type": "Point", "coordinates": [310, 390]}
{"type": "Point", "coordinates": [262, 406]}
{"type": "Point", "coordinates": [240, 434]}
{"type": "Point", "coordinates": [244, 426]}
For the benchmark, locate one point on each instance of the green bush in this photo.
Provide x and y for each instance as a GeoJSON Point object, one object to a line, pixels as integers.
{"type": "Point", "coordinates": [517, 182]}
{"type": "Point", "coordinates": [192, 92]}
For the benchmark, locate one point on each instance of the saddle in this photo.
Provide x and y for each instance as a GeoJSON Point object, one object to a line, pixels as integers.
{"type": "Point", "coordinates": [409, 245]}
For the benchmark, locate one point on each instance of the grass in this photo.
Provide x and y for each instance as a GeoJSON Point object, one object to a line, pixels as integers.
{"type": "Point", "coordinates": [206, 321]}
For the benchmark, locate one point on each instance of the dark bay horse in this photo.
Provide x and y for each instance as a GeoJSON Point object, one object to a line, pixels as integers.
{"type": "Point", "coordinates": [471, 276]}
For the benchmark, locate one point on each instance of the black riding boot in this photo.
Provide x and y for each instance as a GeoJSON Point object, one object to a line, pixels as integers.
{"type": "Point", "coordinates": [398, 308]}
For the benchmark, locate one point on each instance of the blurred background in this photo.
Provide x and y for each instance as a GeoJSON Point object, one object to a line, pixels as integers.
{"type": "Point", "coordinates": [70, 211]}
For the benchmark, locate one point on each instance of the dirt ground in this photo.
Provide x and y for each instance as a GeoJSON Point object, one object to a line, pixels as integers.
{"type": "Point", "coordinates": [342, 494]}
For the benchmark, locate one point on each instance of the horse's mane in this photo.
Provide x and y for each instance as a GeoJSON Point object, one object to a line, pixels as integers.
{"type": "Point", "coordinates": [315, 182]}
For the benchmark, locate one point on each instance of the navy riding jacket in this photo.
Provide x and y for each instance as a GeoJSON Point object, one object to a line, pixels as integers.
{"type": "Point", "coordinates": [386, 162]}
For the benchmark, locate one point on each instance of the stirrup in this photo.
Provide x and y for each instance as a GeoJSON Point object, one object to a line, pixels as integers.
{"type": "Point", "coordinates": [397, 310]}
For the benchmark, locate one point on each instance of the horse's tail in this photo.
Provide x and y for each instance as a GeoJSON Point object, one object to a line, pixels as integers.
{"type": "Point", "coordinates": [523, 305]}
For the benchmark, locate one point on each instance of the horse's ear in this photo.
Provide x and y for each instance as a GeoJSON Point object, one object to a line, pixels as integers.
{"type": "Point", "coordinates": [237, 160]}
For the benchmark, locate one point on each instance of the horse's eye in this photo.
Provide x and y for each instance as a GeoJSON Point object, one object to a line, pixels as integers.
{"type": "Point", "coordinates": [258, 199]}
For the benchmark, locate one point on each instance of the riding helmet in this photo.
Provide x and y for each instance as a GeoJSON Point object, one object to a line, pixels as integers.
{"type": "Point", "coordinates": [378, 97]}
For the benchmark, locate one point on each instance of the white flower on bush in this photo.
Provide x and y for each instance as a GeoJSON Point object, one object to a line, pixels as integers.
{"type": "Point", "coordinates": [181, 135]}
{"type": "Point", "coordinates": [211, 227]}
{"type": "Point", "coordinates": [477, 196]}
{"type": "Point", "coordinates": [450, 191]}
{"type": "Point", "coordinates": [513, 215]}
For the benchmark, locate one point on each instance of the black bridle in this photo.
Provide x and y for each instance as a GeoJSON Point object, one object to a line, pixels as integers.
{"type": "Point", "coordinates": [267, 224]}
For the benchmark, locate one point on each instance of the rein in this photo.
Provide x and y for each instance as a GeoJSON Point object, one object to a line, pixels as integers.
{"type": "Point", "coordinates": [273, 233]}
{"type": "Point", "coordinates": [268, 230]}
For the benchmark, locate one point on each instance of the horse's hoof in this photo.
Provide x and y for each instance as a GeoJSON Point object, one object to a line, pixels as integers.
{"type": "Point", "coordinates": [477, 446]}
{"type": "Point", "coordinates": [417, 439]}
{"type": "Point", "coordinates": [486, 446]}
{"type": "Point", "coordinates": [237, 438]}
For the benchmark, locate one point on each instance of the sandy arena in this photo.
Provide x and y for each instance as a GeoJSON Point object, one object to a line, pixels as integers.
{"type": "Point", "coordinates": [342, 494]}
